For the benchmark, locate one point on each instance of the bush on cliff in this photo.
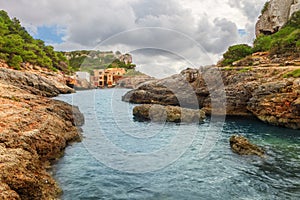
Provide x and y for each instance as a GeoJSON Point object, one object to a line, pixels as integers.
{"type": "Point", "coordinates": [235, 53]}
{"type": "Point", "coordinates": [17, 46]}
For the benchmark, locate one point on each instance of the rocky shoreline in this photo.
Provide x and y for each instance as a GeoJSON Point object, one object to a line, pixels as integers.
{"type": "Point", "coordinates": [34, 131]}
{"type": "Point", "coordinates": [261, 91]}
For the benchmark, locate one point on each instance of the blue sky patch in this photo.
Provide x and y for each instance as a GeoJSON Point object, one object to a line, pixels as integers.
{"type": "Point", "coordinates": [50, 34]}
{"type": "Point", "coordinates": [242, 32]}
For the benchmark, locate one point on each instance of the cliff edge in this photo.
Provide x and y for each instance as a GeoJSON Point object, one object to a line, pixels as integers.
{"type": "Point", "coordinates": [34, 131]}
{"type": "Point", "coordinates": [275, 15]}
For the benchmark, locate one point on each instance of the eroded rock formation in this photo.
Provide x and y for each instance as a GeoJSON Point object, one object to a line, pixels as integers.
{"type": "Point", "coordinates": [34, 131]}
{"type": "Point", "coordinates": [276, 14]}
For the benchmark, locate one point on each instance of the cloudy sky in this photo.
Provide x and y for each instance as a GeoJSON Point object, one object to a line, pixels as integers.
{"type": "Point", "coordinates": [163, 36]}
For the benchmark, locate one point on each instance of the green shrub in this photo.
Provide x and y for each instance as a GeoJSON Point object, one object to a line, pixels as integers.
{"type": "Point", "coordinates": [262, 43]}
{"type": "Point", "coordinates": [295, 74]}
{"type": "Point", "coordinates": [246, 69]}
{"type": "Point", "coordinates": [235, 53]}
{"type": "Point", "coordinates": [294, 21]}
{"type": "Point", "coordinates": [15, 62]}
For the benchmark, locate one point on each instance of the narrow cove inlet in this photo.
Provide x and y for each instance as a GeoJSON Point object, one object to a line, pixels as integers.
{"type": "Point", "coordinates": [87, 172]}
{"type": "Point", "coordinates": [154, 100]}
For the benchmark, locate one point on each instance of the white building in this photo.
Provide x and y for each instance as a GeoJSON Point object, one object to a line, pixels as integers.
{"type": "Point", "coordinates": [83, 76]}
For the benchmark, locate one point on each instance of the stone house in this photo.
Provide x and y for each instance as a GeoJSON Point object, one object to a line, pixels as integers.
{"type": "Point", "coordinates": [107, 77]}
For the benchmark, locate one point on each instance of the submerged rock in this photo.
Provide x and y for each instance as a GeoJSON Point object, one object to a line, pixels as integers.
{"type": "Point", "coordinates": [158, 113]}
{"type": "Point", "coordinates": [242, 146]}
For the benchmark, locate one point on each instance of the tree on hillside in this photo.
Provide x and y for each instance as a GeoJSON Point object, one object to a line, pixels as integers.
{"type": "Point", "coordinates": [17, 45]}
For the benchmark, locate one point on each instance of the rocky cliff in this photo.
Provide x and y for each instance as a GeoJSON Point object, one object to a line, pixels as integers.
{"type": "Point", "coordinates": [260, 91]}
{"type": "Point", "coordinates": [34, 130]}
{"type": "Point", "coordinates": [275, 14]}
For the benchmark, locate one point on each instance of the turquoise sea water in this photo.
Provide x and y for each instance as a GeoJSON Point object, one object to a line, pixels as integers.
{"type": "Point", "coordinates": [123, 159]}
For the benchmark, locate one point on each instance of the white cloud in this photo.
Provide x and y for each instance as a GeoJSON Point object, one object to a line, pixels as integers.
{"type": "Point", "coordinates": [212, 24]}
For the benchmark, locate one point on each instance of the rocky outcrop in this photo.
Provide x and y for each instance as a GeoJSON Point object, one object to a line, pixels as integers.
{"type": "Point", "coordinates": [35, 83]}
{"type": "Point", "coordinates": [250, 91]}
{"type": "Point", "coordinates": [175, 90]}
{"type": "Point", "coordinates": [34, 131]}
{"type": "Point", "coordinates": [132, 82]}
{"type": "Point", "coordinates": [242, 146]}
{"type": "Point", "coordinates": [276, 14]}
{"type": "Point", "coordinates": [83, 84]}
{"type": "Point", "coordinates": [277, 103]}
{"type": "Point", "coordinates": [158, 113]}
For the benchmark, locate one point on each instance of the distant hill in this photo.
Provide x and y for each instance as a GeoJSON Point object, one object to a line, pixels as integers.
{"type": "Point", "coordinates": [17, 46]}
{"type": "Point", "coordinates": [86, 60]}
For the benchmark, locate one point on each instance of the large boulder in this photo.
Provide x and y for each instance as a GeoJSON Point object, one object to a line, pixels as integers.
{"type": "Point", "coordinates": [159, 113]}
{"type": "Point", "coordinates": [176, 90]}
{"type": "Point", "coordinates": [242, 146]}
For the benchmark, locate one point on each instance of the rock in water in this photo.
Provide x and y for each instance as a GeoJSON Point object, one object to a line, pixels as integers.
{"type": "Point", "coordinates": [159, 113]}
{"type": "Point", "coordinates": [242, 146]}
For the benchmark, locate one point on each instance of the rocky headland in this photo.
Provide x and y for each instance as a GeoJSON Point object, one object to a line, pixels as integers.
{"type": "Point", "coordinates": [34, 131]}
{"type": "Point", "coordinates": [263, 90]}
{"type": "Point", "coordinates": [275, 15]}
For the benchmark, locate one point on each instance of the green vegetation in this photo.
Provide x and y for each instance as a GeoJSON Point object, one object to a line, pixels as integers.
{"type": "Point", "coordinates": [295, 74]}
{"type": "Point", "coordinates": [133, 72]}
{"type": "Point", "coordinates": [18, 46]}
{"type": "Point", "coordinates": [265, 8]}
{"type": "Point", "coordinates": [120, 64]}
{"type": "Point", "coordinates": [89, 60]}
{"type": "Point", "coordinates": [85, 60]}
{"type": "Point", "coordinates": [235, 53]}
{"type": "Point", "coordinates": [285, 42]}
{"type": "Point", "coordinates": [245, 69]}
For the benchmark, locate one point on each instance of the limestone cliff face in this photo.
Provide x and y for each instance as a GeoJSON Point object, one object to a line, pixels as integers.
{"type": "Point", "coordinates": [34, 130]}
{"type": "Point", "coordinates": [275, 15]}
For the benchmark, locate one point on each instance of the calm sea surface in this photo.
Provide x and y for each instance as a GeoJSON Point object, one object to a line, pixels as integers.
{"type": "Point", "coordinates": [123, 159]}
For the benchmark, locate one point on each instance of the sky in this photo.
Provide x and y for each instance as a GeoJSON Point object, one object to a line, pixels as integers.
{"type": "Point", "coordinates": [164, 37]}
